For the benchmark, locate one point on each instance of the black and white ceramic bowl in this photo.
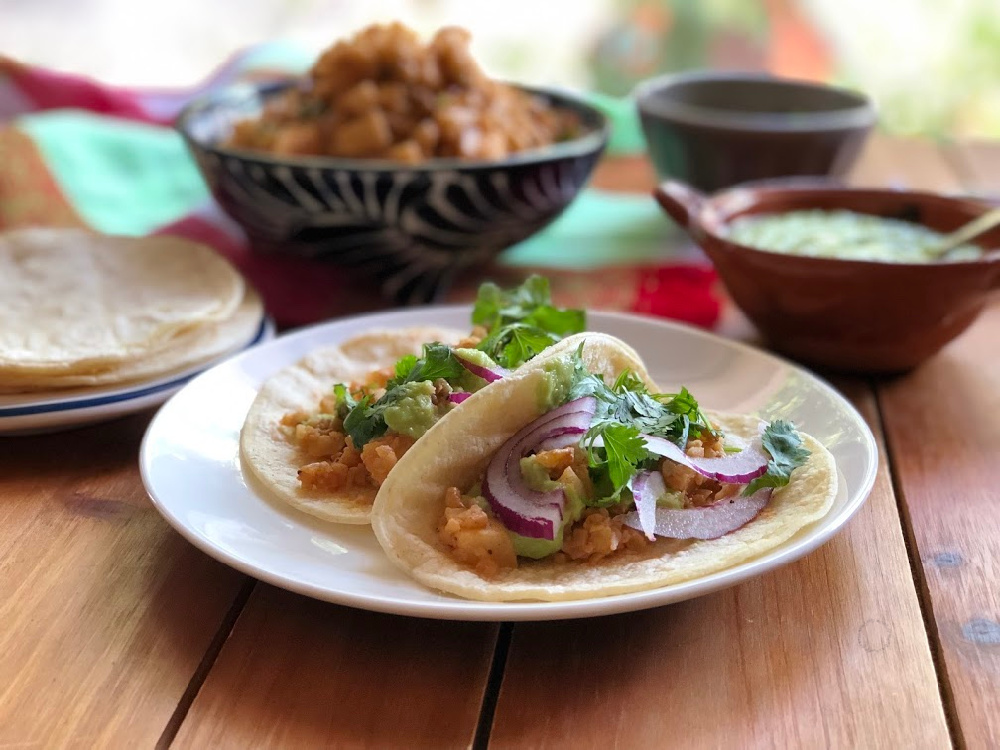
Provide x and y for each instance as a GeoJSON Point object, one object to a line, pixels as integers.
{"type": "Point", "coordinates": [410, 227]}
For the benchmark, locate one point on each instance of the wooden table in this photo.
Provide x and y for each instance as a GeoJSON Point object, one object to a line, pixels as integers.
{"type": "Point", "coordinates": [115, 632]}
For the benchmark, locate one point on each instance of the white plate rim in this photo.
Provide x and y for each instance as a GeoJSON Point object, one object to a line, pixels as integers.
{"type": "Point", "coordinates": [468, 610]}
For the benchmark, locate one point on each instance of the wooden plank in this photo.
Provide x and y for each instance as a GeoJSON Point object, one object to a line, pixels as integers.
{"type": "Point", "coordinates": [978, 163]}
{"type": "Point", "coordinates": [827, 652]}
{"type": "Point", "coordinates": [106, 612]}
{"type": "Point", "coordinates": [943, 430]}
{"type": "Point", "coordinates": [904, 163]}
{"type": "Point", "coordinates": [302, 673]}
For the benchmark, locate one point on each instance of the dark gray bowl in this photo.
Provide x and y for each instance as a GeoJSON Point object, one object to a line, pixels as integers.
{"type": "Point", "coordinates": [715, 129]}
{"type": "Point", "coordinates": [409, 227]}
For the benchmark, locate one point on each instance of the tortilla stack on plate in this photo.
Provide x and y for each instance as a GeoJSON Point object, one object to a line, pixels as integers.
{"type": "Point", "coordinates": [84, 309]}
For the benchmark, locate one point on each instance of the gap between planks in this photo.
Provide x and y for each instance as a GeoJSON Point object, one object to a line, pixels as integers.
{"type": "Point", "coordinates": [492, 692]}
{"type": "Point", "coordinates": [924, 599]}
{"type": "Point", "coordinates": [205, 666]}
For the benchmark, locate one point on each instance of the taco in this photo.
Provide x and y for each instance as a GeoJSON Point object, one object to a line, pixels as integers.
{"type": "Point", "coordinates": [325, 433]}
{"type": "Point", "coordinates": [574, 478]}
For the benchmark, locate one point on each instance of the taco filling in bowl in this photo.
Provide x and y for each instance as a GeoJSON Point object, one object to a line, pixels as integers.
{"type": "Point", "coordinates": [325, 433]}
{"type": "Point", "coordinates": [596, 484]}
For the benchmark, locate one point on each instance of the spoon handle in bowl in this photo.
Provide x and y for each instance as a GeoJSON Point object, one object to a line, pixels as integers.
{"type": "Point", "coordinates": [969, 231]}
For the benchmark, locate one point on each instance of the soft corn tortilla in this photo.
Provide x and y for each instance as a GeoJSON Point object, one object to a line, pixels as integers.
{"type": "Point", "coordinates": [275, 461]}
{"type": "Point", "coordinates": [192, 348]}
{"type": "Point", "coordinates": [75, 302]}
{"type": "Point", "coordinates": [455, 453]}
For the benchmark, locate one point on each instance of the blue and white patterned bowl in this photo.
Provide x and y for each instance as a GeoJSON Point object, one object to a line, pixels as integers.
{"type": "Point", "coordinates": [410, 227]}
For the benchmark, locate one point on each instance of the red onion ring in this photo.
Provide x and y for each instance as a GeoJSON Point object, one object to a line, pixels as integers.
{"type": "Point", "coordinates": [487, 374]}
{"type": "Point", "coordinates": [733, 468]}
{"type": "Point", "coordinates": [521, 509]}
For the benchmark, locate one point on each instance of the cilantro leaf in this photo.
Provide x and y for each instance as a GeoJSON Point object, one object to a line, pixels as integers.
{"type": "Point", "coordinates": [489, 299]}
{"type": "Point", "coordinates": [524, 343]}
{"type": "Point", "coordinates": [493, 304]}
{"type": "Point", "coordinates": [629, 381]}
{"type": "Point", "coordinates": [437, 361]}
{"type": "Point", "coordinates": [522, 322]}
{"type": "Point", "coordinates": [558, 321]}
{"type": "Point", "coordinates": [684, 406]}
{"type": "Point", "coordinates": [784, 444]}
{"type": "Point", "coordinates": [365, 421]}
{"type": "Point", "coordinates": [405, 366]}
{"type": "Point", "coordinates": [625, 450]}
{"type": "Point", "coordinates": [345, 401]}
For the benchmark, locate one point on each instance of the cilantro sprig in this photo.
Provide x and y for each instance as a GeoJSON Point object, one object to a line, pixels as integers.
{"type": "Point", "coordinates": [365, 419]}
{"type": "Point", "coordinates": [522, 322]}
{"type": "Point", "coordinates": [625, 411]}
{"type": "Point", "coordinates": [437, 361]}
{"type": "Point", "coordinates": [784, 445]}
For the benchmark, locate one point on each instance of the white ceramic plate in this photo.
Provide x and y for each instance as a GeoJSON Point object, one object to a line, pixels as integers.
{"type": "Point", "coordinates": [25, 413]}
{"type": "Point", "coordinates": [191, 468]}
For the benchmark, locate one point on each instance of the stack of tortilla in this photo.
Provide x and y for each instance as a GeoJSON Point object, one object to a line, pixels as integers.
{"type": "Point", "coordinates": [79, 309]}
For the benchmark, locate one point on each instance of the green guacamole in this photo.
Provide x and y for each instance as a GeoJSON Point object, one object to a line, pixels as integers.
{"type": "Point", "coordinates": [414, 413]}
{"type": "Point", "coordinates": [558, 376]}
{"type": "Point", "coordinates": [845, 235]}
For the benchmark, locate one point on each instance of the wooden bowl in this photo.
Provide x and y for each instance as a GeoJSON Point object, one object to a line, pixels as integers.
{"type": "Point", "coordinates": [850, 315]}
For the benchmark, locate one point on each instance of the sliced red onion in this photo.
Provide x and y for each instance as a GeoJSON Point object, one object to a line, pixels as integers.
{"type": "Point", "coordinates": [457, 397]}
{"type": "Point", "coordinates": [486, 373]}
{"type": "Point", "coordinates": [521, 509]}
{"type": "Point", "coordinates": [564, 437]}
{"type": "Point", "coordinates": [647, 488]}
{"type": "Point", "coordinates": [732, 468]}
{"type": "Point", "coordinates": [709, 522]}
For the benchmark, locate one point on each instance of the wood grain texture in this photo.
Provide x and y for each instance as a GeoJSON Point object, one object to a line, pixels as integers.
{"type": "Point", "coordinates": [978, 165]}
{"type": "Point", "coordinates": [942, 425]}
{"type": "Point", "coordinates": [106, 612]}
{"type": "Point", "coordinates": [302, 673]}
{"type": "Point", "coordinates": [904, 163]}
{"type": "Point", "coordinates": [827, 652]}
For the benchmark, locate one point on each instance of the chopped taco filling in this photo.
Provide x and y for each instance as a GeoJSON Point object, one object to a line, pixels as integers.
{"type": "Point", "coordinates": [608, 470]}
{"type": "Point", "coordinates": [360, 430]}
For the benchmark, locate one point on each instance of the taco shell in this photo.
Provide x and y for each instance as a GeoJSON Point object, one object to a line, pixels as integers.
{"type": "Point", "coordinates": [455, 453]}
{"type": "Point", "coordinates": [268, 454]}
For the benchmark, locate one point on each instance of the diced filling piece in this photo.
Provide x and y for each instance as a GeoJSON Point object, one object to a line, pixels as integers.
{"type": "Point", "coordinates": [333, 463]}
{"type": "Point", "coordinates": [474, 537]}
{"type": "Point", "coordinates": [385, 94]}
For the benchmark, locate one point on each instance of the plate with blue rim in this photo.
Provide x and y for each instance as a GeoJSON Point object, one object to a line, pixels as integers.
{"type": "Point", "coordinates": [191, 468]}
{"type": "Point", "coordinates": [49, 411]}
